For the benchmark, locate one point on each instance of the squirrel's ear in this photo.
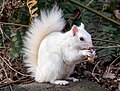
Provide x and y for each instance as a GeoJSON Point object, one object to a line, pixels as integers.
{"type": "Point", "coordinates": [74, 30]}
{"type": "Point", "coordinates": [82, 25]}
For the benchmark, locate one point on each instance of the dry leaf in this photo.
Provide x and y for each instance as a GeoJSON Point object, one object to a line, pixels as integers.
{"type": "Point", "coordinates": [35, 15]}
{"type": "Point", "coordinates": [1, 76]}
{"type": "Point", "coordinates": [33, 10]}
{"type": "Point", "coordinates": [32, 2]}
{"type": "Point", "coordinates": [8, 80]}
{"type": "Point", "coordinates": [119, 86]}
{"type": "Point", "coordinates": [108, 75]}
{"type": "Point", "coordinates": [117, 14]}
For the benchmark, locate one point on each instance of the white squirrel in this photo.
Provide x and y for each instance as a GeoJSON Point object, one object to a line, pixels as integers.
{"type": "Point", "coordinates": [51, 55]}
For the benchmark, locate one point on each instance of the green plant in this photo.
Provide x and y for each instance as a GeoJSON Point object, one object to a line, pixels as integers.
{"type": "Point", "coordinates": [12, 26]}
{"type": "Point", "coordinates": [74, 14]}
{"type": "Point", "coordinates": [16, 47]}
{"type": "Point", "coordinates": [97, 15]}
{"type": "Point", "coordinates": [102, 29]}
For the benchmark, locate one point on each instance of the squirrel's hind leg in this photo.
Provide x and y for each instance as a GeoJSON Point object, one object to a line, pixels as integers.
{"type": "Point", "coordinates": [60, 82]}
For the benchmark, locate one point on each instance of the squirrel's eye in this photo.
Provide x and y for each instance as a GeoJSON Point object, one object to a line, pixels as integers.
{"type": "Point", "coordinates": [81, 38]}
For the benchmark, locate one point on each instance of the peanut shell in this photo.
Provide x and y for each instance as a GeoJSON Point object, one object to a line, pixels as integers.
{"type": "Point", "coordinates": [90, 59]}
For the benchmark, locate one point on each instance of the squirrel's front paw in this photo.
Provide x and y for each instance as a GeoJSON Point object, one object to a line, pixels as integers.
{"type": "Point", "coordinates": [87, 53]}
{"type": "Point", "coordinates": [94, 54]}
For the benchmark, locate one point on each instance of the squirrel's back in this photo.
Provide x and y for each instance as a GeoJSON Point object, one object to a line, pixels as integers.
{"type": "Point", "coordinates": [47, 22]}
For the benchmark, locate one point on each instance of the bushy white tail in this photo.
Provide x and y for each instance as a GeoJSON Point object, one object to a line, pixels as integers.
{"type": "Point", "coordinates": [50, 21]}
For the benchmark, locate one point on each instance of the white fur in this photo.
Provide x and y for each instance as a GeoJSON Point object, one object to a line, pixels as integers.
{"type": "Point", "coordinates": [50, 21]}
{"type": "Point", "coordinates": [57, 53]}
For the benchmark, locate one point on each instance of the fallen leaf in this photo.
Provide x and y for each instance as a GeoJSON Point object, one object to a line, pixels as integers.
{"type": "Point", "coordinates": [108, 75]}
{"type": "Point", "coordinates": [117, 14]}
{"type": "Point", "coordinates": [119, 86]}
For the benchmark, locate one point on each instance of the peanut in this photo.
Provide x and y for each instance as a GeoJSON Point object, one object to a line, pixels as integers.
{"type": "Point", "coordinates": [90, 59]}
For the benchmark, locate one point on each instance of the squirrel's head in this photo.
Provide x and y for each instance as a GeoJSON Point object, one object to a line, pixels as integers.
{"type": "Point", "coordinates": [81, 36]}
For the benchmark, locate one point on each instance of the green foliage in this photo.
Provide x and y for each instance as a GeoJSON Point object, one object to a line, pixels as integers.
{"type": "Point", "coordinates": [96, 25]}
{"type": "Point", "coordinates": [102, 29]}
{"type": "Point", "coordinates": [74, 14]}
{"type": "Point", "coordinates": [16, 47]}
{"type": "Point", "coordinates": [13, 12]}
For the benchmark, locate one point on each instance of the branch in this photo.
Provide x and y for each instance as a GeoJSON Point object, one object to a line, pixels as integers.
{"type": "Point", "coordinates": [21, 25]}
{"type": "Point", "coordinates": [93, 74]}
{"type": "Point", "coordinates": [94, 11]}
{"type": "Point", "coordinates": [13, 68]}
{"type": "Point", "coordinates": [108, 41]}
{"type": "Point", "coordinates": [2, 7]}
{"type": "Point", "coordinates": [103, 47]}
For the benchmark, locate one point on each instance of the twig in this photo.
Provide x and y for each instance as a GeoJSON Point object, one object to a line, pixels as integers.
{"type": "Point", "coordinates": [113, 62]}
{"type": "Point", "coordinates": [118, 62]}
{"type": "Point", "coordinates": [89, 2]}
{"type": "Point", "coordinates": [108, 41]}
{"type": "Point", "coordinates": [2, 47]}
{"type": "Point", "coordinates": [94, 11]}
{"type": "Point", "coordinates": [85, 9]}
{"type": "Point", "coordinates": [94, 70]}
{"type": "Point", "coordinates": [3, 34]}
{"type": "Point", "coordinates": [7, 77]}
{"type": "Point", "coordinates": [21, 80]}
{"type": "Point", "coordinates": [104, 47]}
{"type": "Point", "coordinates": [21, 25]}
{"type": "Point", "coordinates": [13, 68]}
{"type": "Point", "coordinates": [1, 31]}
{"type": "Point", "coordinates": [2, 7]}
